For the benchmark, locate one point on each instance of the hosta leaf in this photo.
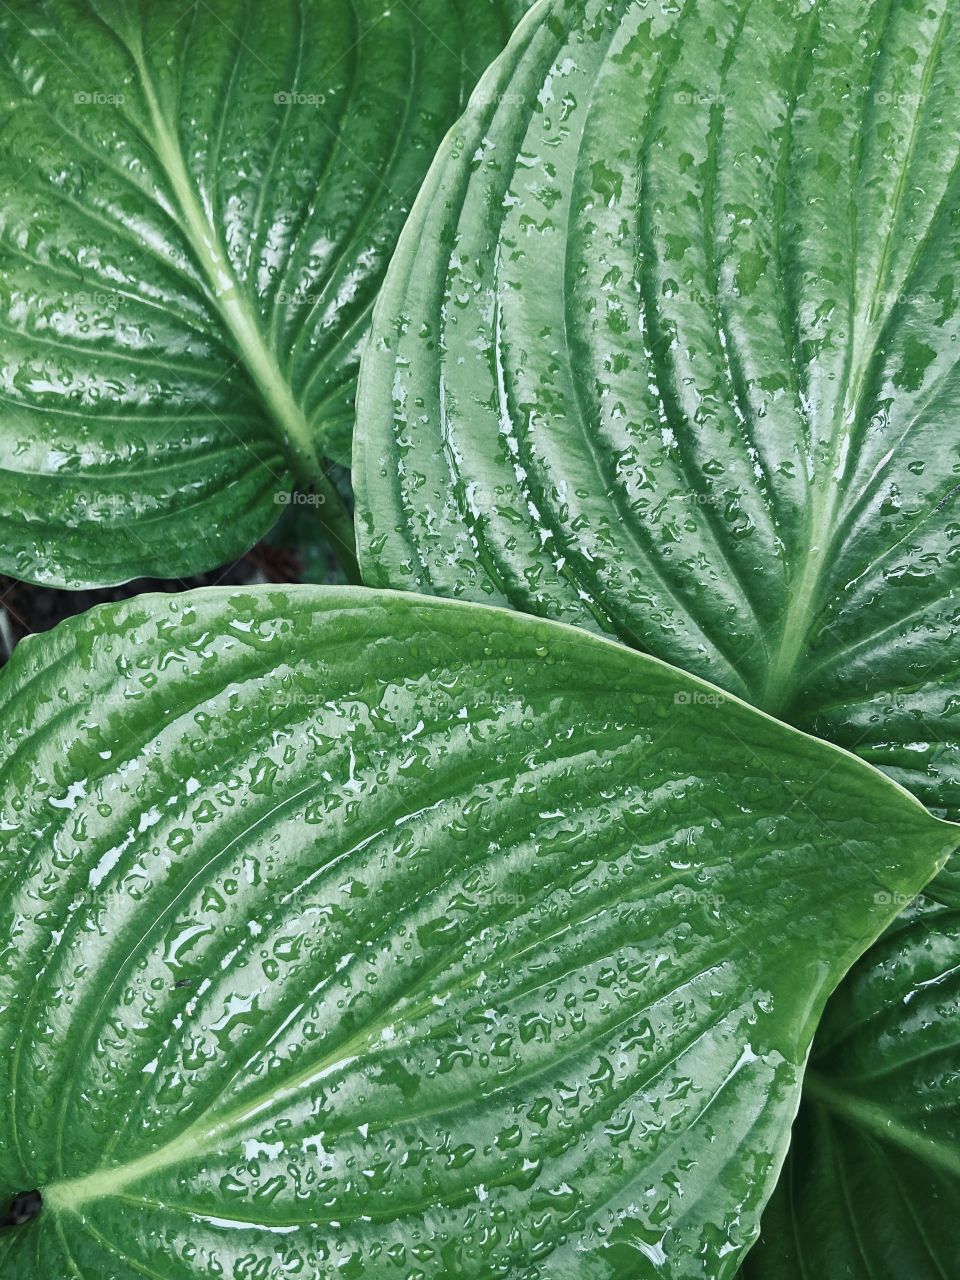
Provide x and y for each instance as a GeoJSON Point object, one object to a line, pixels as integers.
{"type": "Point", "coordinates": [670, 350]}
{"type": "Point", "coordinates": [673, 354]}
{"type": "Point", "coordinates": [346, 933]}
{"type": "Point", "coordinates": [871, 1187]}
{"type": "Point", "coordinates": [200, 197]}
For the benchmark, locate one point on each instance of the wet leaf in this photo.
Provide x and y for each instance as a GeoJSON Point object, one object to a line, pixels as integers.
{"type": "Point", "coordinates": [670, 350]}
{"type": "Point", "coordinates": [199, 202]}
{"type": "Point", "coordinates": [672, 354]}
{"type": "Point", "coordinates": [872, 1182]}
{"type": "Point", "coordinates": [347, 932]}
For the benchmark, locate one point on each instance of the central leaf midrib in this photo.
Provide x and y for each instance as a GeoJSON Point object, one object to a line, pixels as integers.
{"type": "Point", "coordinates": [880, 1123]}
{"type": "Point", "coordinates": [285, 415]}
{"type": "Point", "coordinates": [205, 1133]}
{"type": "Point", "coordinates": [822, 528]}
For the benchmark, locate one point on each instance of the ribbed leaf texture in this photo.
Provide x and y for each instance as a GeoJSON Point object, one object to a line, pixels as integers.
{"type": "Point", "coordinates": [348, 933]}
{"type": "Point", "coordinates": [871, 1187]}
{"type": "Point", "coordinates": [199, 202]}
{"type": "Point", "coordinates": [670, 350]}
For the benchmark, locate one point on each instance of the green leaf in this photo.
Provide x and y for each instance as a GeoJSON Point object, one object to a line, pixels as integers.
{"type": "Point", "coordinates": [871, 1187]}
{"type": "Point", "coordinates": [200, 199]}
{"type": "Point", "coordinates": [673, 355]}
{"type": "Point", "coordinates": [349, 932]}
{"type": "Point", "coordinates": [672, 352]}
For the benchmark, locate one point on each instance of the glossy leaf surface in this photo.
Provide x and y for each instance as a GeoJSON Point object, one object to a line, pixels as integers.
{"type": "Point", "coordinates": [675, 357]}
{"type": "Point", "coordinates": [670, 351]}
{"type": "Point", "coordinates": [346, 933]}
{"type": "Point", "coordinates": [871, 1187]}
{"type": "Point", "coordinates": [199, 202]}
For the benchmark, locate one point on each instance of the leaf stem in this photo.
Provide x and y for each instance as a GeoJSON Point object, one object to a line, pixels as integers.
{"type": "Point", "coordinates": [337, 524]}
{"type": "Point", "coordinates": [287, 418]}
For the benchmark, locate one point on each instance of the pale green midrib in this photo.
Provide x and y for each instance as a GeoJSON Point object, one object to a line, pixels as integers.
{"type": "Point", "coordinates": [205, 1134]}
{"type": "Point", "coordinates": [877, 1121]}
{"type": "Point", "coordinates": [781, 679]}
{"type": "Point", "coordinates": [200, 1138]}
{"type": "Point", "coordinates": [286, 415]}
{"type": "Point", "coordinates": [801, 611]}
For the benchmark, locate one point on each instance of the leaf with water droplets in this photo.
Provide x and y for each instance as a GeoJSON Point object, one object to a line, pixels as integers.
{"type": "Point", "coordinates": [199, 203]}
{"type": "Point", "coordinates": [669, 349]}
{"type": "Point", "coordinates": [871, 1187]}
{"type": "Point", "coordinates": [672, 353]}
{"type": "Point", "coordinates": [346, 932]}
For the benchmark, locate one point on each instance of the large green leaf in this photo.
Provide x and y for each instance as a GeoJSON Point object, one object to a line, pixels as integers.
{"type": "Point", "coordinates": [871, 1188]}
{"type": "Point", "coordinates": [199, 200]}
{"type": "Point", "coordinates": [347, 933]}
{"type": "Point", "coordinates": [674, 355]}
{"type": "Point", "coordinates": [672, 352]}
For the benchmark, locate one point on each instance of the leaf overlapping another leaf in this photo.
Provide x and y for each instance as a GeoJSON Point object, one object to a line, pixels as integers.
{"type": "Point", "coordinates": [673, 355]}
{"type": "Point", "coordinates": [199, 202]}
{"type": "Point", "coordinates": [872, 1181]}
{"type": "Point", "coordinates": [345, 931]}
